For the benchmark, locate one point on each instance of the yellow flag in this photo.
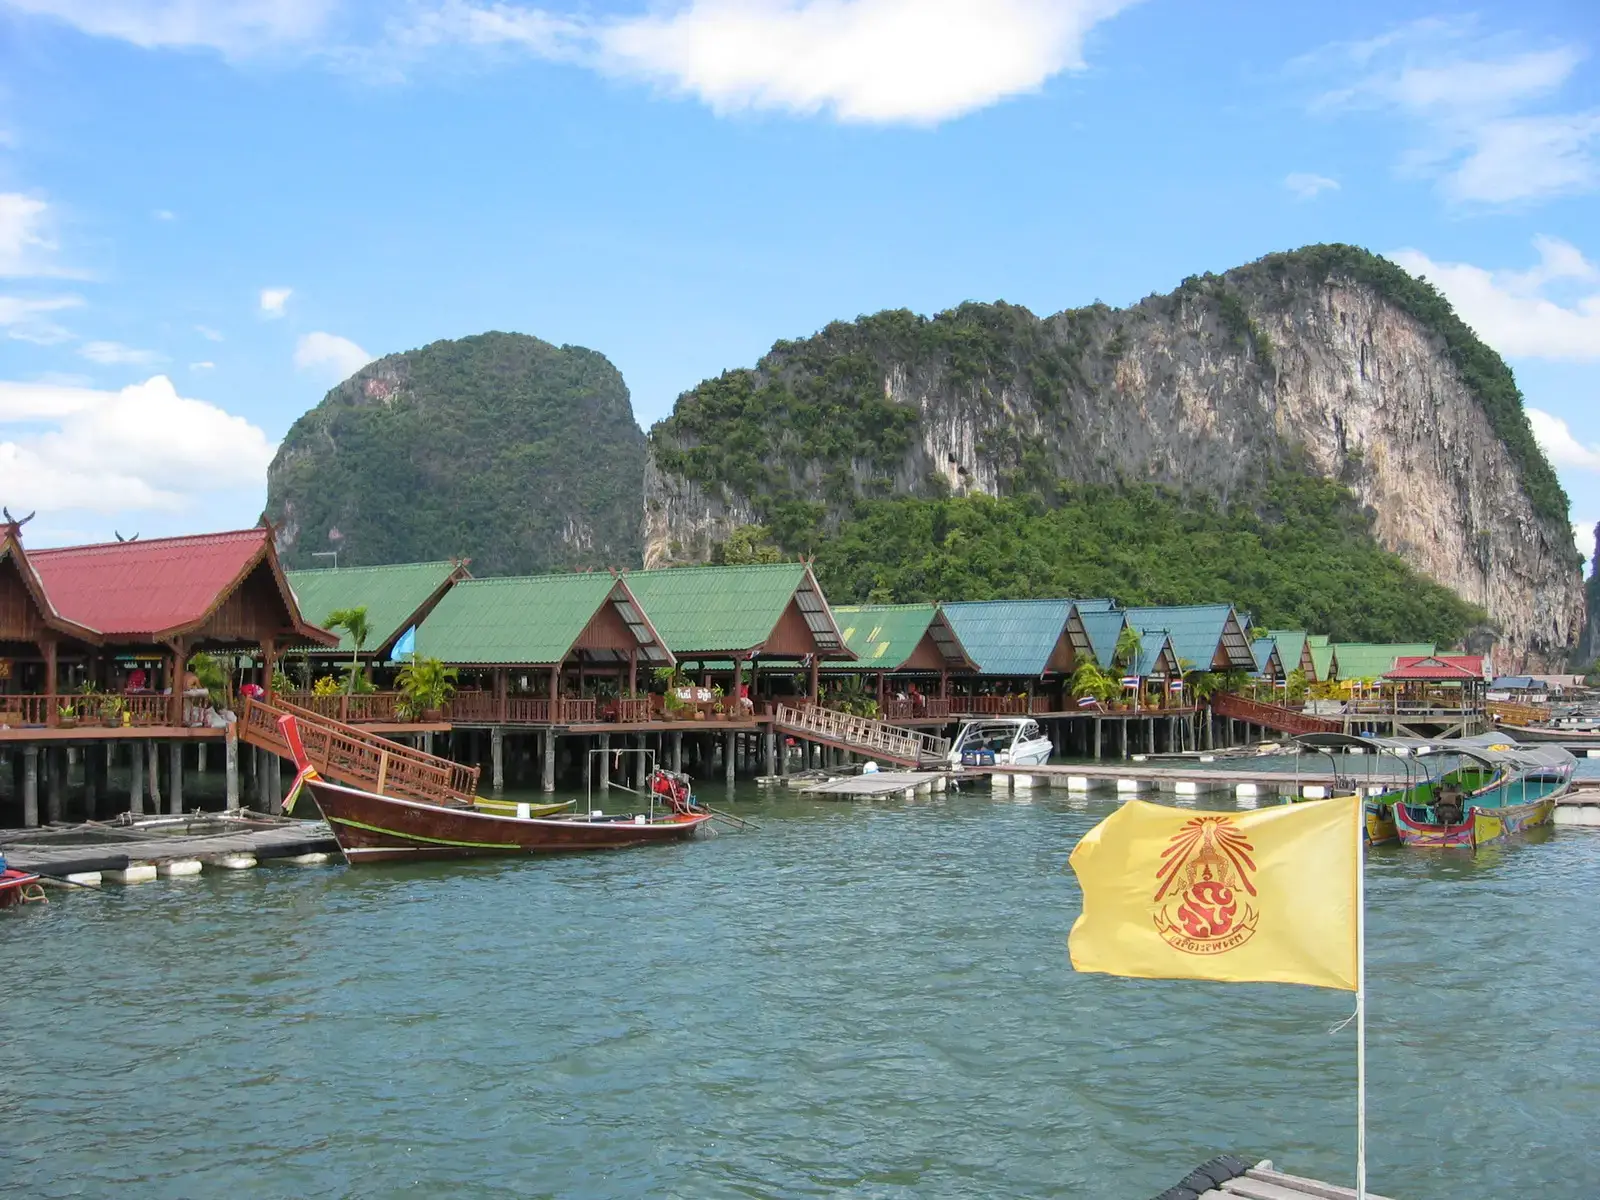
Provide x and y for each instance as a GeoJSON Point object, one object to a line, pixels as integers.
{"type": "Point", "coordinates": [1267, 896]}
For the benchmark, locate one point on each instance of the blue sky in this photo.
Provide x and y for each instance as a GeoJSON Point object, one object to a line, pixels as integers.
{"type": "Point", "coordinates": [211, 212]}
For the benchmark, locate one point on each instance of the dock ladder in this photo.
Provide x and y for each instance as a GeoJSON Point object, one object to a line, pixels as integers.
{"type": "Point", "coordinates": [863, 735]}
{"type": "Point", "coordinates": [352, 756]}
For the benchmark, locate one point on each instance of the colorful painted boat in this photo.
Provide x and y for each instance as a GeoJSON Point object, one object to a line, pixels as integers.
{"type": "Point", "coordinates": [19, 887]}
{"type": "Point", "coordinates": [1517, 788]}
{"type": "Point", "coordinates": [1380, 797]}
{"type": "Point", "coordinates": [370, 828]}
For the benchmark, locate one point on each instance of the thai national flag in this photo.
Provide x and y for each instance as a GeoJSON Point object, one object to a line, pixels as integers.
{"type": "Point", "coordinates": [1176, 685]}
{"type": "Point", "coordinates": [1130, 681]}
{"type": "Point", "coordinates": [1087, 702]}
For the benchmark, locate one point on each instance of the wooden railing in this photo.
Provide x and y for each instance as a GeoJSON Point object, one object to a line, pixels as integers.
{"type": "Point", "coordinates": [928, 709]}
{"type": "Point", "coordinates": [1273, 716]}
{"type": "Point", "coordinates": [864, 735]}
{"type": "Point", "coordinates": [142, 710]}
{"type": "Point", "coordinates": [632, 710]}
{"type": "Point", "coordinates": [349, 755]}
{"type": "Point", "coordinates": [361, 708]}
{"type": "Point", "coordinates": [484, 708]}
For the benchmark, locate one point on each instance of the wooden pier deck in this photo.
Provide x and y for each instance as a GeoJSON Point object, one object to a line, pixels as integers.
{"type": "Point", "coordinates": [66, 851]}
{"type": "Point", "coordinates": [874, 783]}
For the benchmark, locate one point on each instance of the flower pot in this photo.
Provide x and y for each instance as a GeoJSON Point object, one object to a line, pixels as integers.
{"type": "Point", "coordinates": [432, 716]}
{"type": "Point", "coordinates": [111, 722]}
{"type": "Point", "coordinates": [699, 714]}
{"type": "Point", "coordinates": [66, 722]}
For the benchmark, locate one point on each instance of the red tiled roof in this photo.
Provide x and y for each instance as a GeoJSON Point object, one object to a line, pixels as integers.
{"type": "Point", "coordinates": [146, 587]}
{"type": "Point", "coordinates": [1451, 668]}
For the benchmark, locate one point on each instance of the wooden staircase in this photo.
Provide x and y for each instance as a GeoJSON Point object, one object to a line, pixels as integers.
{"type": "Point", "coordinates": [862, 735]}
{"type": "Point", "coordinates": [1272, 716]}
{"type": "Point", "coordinates": [352, 756]}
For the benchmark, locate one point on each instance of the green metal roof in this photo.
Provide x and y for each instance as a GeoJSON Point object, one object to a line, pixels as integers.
{"type": "Point", "coordinates": [1291, 647]}
{"type": "Point", "coordinates": [1010, 637]}
{"type": "Point", "coordinates": [706, 610]}
{"type": "Point", "coordinates": [393, 596]}
{"type": "Point", "coordinates": [883, 636]}
{"type": "Point", "coordinates": [1104, 627]}
{"type": "Point", "coordinates": [1323, 659]}
{"type": "Point", "coordinates": [528, 620]}
{"type": "Point", "coordinates": [1197, 631]}
{"type": "Point", "coordinates": [1370, 660]}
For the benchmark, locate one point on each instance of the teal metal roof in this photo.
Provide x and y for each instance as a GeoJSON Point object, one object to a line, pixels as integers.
{"type": "Point", "coordinates": [1198, 631]}
{"type": "Point", "coordinates": [528, 620]}
{"type": "Point", "coordinates": [394, 596]}
{"type": "Point", "coordinates": [1267, 655]}
{"type": "Point", "coordinates": [1104, 627]}
{"type": "Point", "coordinates": [1156, 656]}
{"type": "Point", "coordinates": [1010, 637]}
{"type": "Point", "coordinates": [732, 610]}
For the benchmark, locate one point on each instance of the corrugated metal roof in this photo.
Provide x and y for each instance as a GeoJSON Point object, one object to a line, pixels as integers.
{"type": "Point", "coordinates": [392, 595]}
{"type": "Point", "coordinates": [148, 587]}
{"type": "Point", "coordinates": [884, 636]}
{"type": "Point", "coordinates": [1010, 637]}
{"type": "Point", "coordinates": [1323, 659]}
{"type": "Point", "coordinates": [1268, 655]}
{"type": "Point", "coordinates": [1104, 627]}
{"type": "Point", "coordinates": [1432, 668]}
{"type": "Point", "coordinates": [1291, 647]}
{"type": "Point", "coordinates": [706, 610]}
{"type": "Point", "coordinates": [524, 621]}
{"type": "Point", "coordinates": [1156, 656]}
{"type": "Point", "coordinates": [1197, 631]}
{"type": "Point", "coordinates": [1372, 660]}
{"type": "Point", "coordinates": [11, 551]}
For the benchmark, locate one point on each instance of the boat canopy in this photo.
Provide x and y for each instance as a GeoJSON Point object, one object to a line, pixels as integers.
{"type": "Point", "coordinates": [1493, 750]}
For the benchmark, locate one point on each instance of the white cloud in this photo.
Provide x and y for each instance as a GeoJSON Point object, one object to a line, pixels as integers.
{"type": "Point", "coordinates": [273, 300]}
{"type": "Point", "coordinates": [866, 61]}
{"type": "Point", "coordinates": [164, 214]}
{"type": "Point", "coordinates": [1308, 187]}
{"type": "Point", "coordinates": [329, 354]}
{"type": "Point", "coordinates": [210, 334]}
{"type": "Point", "coordinates": [26, 247]}
{"type": "Point", "coordinates": [202, 366]}
{"type": "Point", "coordinates": [1510, 310]}
{"type": "Point", "coordinates": [1483, 112]}
{"type": "Point", "coordinates": [1560, 445]}
{"type": "Point", "coordinates": [23, 318]}
{"type": "Point", "coordinates": [116, 354]}
{"type": "Point", "coordinates": [233, 27]}
{"type": "Point", "coordinates": [144, 447]}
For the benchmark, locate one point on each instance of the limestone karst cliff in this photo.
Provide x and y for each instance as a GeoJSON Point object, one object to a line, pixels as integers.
{"type": "Point", "coordinates": [1327, 360]}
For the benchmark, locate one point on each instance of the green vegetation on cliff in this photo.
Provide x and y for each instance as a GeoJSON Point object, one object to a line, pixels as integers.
{"type": "Point", "coordinates": [1299, 554]}
{"type": "Point", "coordinates": [520, 455]}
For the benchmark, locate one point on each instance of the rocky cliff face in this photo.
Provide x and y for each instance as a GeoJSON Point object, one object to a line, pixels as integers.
{"type": "Point", "coordinates": [1328, 360]}
{"type": "Point", "coordinates": [517, 454]}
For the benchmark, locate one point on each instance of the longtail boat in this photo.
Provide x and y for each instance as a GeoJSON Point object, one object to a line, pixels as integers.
{"type": "Point", "coordinates": [1504, 790]}
{"type": "Point", "coordinates": [371, 828]}
{"type": "Point", "coordinates": [1535, 734]}
{"type": "Point", "coordinates": [518, 808]}
{"type": "Point", "coordinates": [18, 887]}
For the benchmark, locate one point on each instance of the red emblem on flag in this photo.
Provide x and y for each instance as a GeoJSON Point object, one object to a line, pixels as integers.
{"type": "Point", "coordinates": [1204, 879]}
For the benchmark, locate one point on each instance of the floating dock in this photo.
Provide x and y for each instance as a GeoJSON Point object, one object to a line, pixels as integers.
{"type": "Point", "coordinates": [131, 855]}
{"type": "Point", "coordinates": [879, 784]}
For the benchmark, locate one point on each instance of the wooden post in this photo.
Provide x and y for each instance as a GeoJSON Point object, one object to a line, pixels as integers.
{"type": "Point", "coordinates": [811, 683]}
{"type": "Point", "coordinates": [500, 681]}
{"type": "Point", "coordinates": [497, 755]}
{"type": "Point", "coordinates": [50, 716]}
{"type": "Point", "coordinates": [175, 783]}
{"type": "Point", "coordinates": [738, 682]}
{"type": "Point", "coordinates": [230, 754]}
{"type": "Point", "coordinates": [152, 771]}
{"type": "Point", "coordinates": [135, 779]}
{"type": "Point", "coordinates": [944, 683]}
{"type": "Point", "coordinates": [880, 693]}
{"type": "Point", "coordinates": [274, 804]}
{"type": "Point", "coordinates": [55, 782]}
{"type": "Point", "coordinates": [676, 742]}
{"type": "Point", "coordinates": [549, 780]}
{"type": "Point", "coordinates": [269, 664]}
{"type": "Point", "coordinates": [180, 662]}
{"type": "Point", "coordinates": [1097, 731]}
{"type": "Point", "coordinates": [633, 671]}
{"type": "Point", "coordinates": [605, 762]}
{"type": "Point", "coordinates": [30, 786]}
{"type": "Point", "coordinates": [771, 746]}
{"type": "Point", "coordinates": [729, 756]}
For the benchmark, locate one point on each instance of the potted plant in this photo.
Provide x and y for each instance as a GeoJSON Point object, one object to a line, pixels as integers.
{"type": "Point", "coordinates": [67, 715]}
{"type": "Point", "coordinates": [111, 710]}
{"type": "Point", "coordinates": [427, 685]}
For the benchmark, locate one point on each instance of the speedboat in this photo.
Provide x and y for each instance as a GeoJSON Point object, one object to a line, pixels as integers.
{"type": "Point", "coordinates": [1000, 742]}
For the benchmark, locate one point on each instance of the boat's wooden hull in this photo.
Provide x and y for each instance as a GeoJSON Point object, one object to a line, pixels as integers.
{"type": "Point", "coordinates": [374, 829]}
{"type": "Point", "coordinates": [1479, 827]}
{"type": "Point", "coordinates": [1380, 824]}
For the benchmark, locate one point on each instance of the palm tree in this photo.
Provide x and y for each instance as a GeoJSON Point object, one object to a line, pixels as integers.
{"type": "Point", "coordinates": [353, 621]}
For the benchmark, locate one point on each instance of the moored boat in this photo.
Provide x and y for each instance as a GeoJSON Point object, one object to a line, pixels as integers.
{"type": "Point", "coordinates": [1514, 789]}
{"type": "Point", "coordinates": [18, 887]}
{"type": "Point", "coordinates": [1000, 742]}
{"type": "Point", "coordinates": [518, 808]}
{"type": "Point", "coordinates": [371, 828]}
{"type": "Point", "coordinates": [1542, 734]}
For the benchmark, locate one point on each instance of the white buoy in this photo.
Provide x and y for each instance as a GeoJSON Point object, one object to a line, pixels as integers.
{"type": "Point", "coordinates": [1000, 782]}
{"type": "Point", "coordinates": [234, 862]}
{"type": "Point", "coordinates": [1022, 781]}
{"type": "Point", "coordinates": [1127, 785]}
{"type": "Point", "coordinates": [869, 767]}
{"type": "Point", "coordinates": [178, 867]}
{"type": "Point", "coordinates": [1141, 758]}
{"type": "Point", "coordinates": [85, 878]}
{"type": "Point", "coordinates": [1246, 789]}
{"type": "Point", "coordinates": [1208, 758]}
{"type": "Point", "coordinates": [132, 873]}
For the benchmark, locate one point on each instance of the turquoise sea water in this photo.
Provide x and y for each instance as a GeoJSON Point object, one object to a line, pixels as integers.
{"type": "Point", "coordinates": [868, 1000]}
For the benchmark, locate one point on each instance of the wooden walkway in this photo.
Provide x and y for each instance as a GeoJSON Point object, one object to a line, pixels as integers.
{"type": "Point", "coordinates": [862, 735]}
{"type": "Point", "coordinates": [358, 757]}
{"type": "Point", "coordinates": [62, 851]}
{"type": "Point", "coordinates": [873, 783]}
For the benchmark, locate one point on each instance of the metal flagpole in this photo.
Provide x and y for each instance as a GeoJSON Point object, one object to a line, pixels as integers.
{"type": "Point", "coordinates": [1361, 998]}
